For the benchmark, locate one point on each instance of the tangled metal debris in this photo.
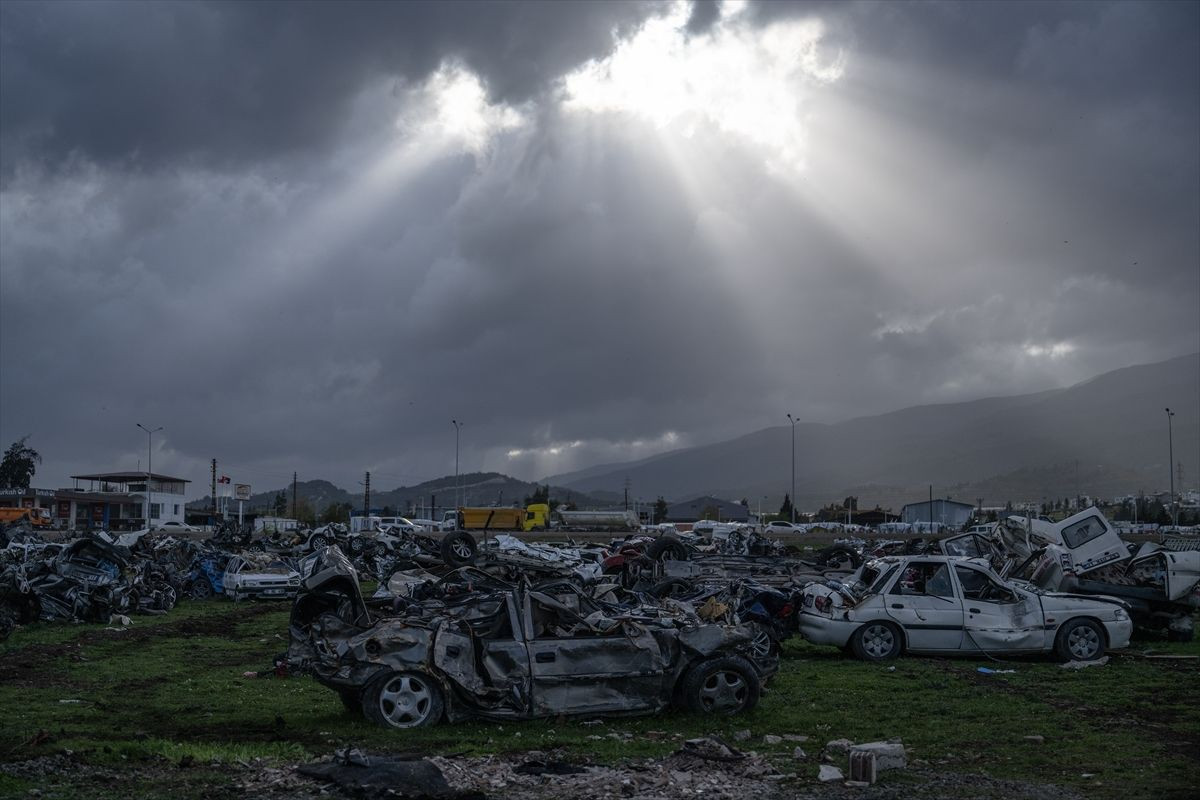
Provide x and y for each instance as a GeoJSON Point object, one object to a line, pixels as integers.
{"type": "Point", "coordinates": [474, 645]}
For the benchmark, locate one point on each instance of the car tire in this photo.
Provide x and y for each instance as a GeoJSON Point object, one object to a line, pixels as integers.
{"type": "Point", "coordinates": [201, 589]}
{"type": "Point", "coordinates": [838, 558]}
{"type": "Point", "coordinates": [317, 542]}
{"type": "Point", "coordinates": [258, 547]}
{"type": "Point", "coordinates": [356, 545]}
{"type": "Point", "coordinates": [169, 598]}
{"type": "Point", "coordinates": [667, 548]}
{"type": "Point", "coordinates": [877, 641]}
{"type": "Point", "coordinates": [458, 549]}
{"type": "Point", "coordinates": [403, 700]}
{"type": "Point", "coordinates": [723, 685]}
{"type": "Point", "coordinates": [672, 587]}
{"type": "Point", "coordinates": [1080, 640]}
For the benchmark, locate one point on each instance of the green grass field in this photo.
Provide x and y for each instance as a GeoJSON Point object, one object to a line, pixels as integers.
{"type": "Point", "coordinates": [167, 688]}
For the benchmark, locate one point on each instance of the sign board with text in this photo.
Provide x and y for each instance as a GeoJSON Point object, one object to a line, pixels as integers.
{"type": "Point", "coordinates": [241, 491]}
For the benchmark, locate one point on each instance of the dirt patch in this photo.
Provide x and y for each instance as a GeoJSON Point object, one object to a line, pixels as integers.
{"type": "Point", "coordinates": [516, 776]}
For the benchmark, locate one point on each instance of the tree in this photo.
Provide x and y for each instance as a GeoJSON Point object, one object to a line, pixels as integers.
{"type": "Point", "coordinates": [388, 511]}
{"type": "Point", "coordinates": [281, 504]}
{"type": "Point", "coordinates": [541, 494]}
{"type": "Point", "coordinates": [660, 510]}
{"type": "Point", "coordinates": [850, 503]}
{"type": "Point", "coordinates": [785, 510]}
{"type": "Point", "coordinates": [18, 466]}
{"type": "Point", "coordinates": [336, 512]}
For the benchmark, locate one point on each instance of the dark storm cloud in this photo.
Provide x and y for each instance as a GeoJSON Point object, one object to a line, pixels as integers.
{"type": "Point", "coordinates": [230, 81]}
{"type": "Point", "coordinates": [209, 220]}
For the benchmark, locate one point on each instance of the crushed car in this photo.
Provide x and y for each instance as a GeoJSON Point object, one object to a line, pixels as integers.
{"type": "Point", "coordinates": [257, 576]}
{"type": "Point", "coordinates": [947, 605]}
{"type": "Point", "coordinates": [514, 652]}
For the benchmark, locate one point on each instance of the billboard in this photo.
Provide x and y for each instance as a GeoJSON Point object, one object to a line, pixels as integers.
{"type": "Point", "coordinates": [241, 491]}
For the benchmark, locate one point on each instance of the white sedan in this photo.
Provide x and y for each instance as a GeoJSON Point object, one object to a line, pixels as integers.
{"type": "Point", "coordinates": [940, 604]}
{"type": "Point", "coordinates": [779, 526]}
{"type": "Point", "coordinates": [267, 578]}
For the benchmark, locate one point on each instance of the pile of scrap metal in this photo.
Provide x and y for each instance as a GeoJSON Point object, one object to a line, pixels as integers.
{"type": "Point", "coordinates": [91, 578]}
{"type": "Point", "coordinates": [88, 579]}
{"type": "Point", "coordinates": [471, 644]}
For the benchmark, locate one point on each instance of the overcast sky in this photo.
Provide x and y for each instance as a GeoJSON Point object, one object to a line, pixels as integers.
{"type": "Point", "coordinates": [307, 236]}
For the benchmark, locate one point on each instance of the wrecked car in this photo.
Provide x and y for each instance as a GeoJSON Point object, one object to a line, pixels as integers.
{"type": "Point", "coordinates": [941, 604]}
{"type": "Point", "coordinates": [263, 577]}
{"type": "Point", "coordinates": [1085, 554]}
{"type": "Point", "coordinates": [514, 653]}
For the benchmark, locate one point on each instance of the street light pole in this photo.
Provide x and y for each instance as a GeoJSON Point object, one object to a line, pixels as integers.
{"type": "Point", "coordinates": [793, 420]}
{"type": "Point", "coordinates": [149, 467]}
{"type": "Point", "coordinates": [1171, 468]}
{"type": "Point", "coordinates": [457, 500]}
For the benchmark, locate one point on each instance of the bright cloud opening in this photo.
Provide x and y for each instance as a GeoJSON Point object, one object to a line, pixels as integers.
{"type": "Point", "coordinates": [453, 105]}
{"type": "Point", "coordinates": [746, 81]}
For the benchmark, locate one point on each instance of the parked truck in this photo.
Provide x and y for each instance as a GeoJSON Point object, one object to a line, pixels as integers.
{"type": "Point", "coordinates": [39, 517]}
{"type": "Point", "coordinates": [534, 517]}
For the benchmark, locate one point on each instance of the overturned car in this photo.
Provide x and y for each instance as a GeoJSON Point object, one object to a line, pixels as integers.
{"type": "Point", "coordinates": [500, 651]}
{"type": "Point", "coordinates": [943, 604]}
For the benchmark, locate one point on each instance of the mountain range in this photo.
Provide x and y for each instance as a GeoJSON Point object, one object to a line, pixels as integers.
{"type": "Point", "coordinates": [1104, 436]}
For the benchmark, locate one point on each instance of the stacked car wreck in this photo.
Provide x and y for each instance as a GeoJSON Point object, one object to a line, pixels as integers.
{"type": "Point", "coordinates": [472, 645]}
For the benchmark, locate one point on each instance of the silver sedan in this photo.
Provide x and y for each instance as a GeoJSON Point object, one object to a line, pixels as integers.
{"type": "Point", "coordinates": [940, 604]}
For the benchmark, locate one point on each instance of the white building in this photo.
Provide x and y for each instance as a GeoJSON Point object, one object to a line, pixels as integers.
{"type": "Point", "coordinates": [118, 500]}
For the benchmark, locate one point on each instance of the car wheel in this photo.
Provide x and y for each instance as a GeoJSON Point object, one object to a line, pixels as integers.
{"type": "Point", "coordinates": [667, 548]}
{"type": "Point", "coordinates": [458, 549]}
{"type": "Point", "coordinates": [1079, 640]}
{"type": "Point", "coordinates": [169, 598]}
{"type": "Point", "coordinates": [763, 647]}
{"type": "Point", "coordinates": [318, 542]}
{"type": "Point", "coordinates": [839, 558]}
{"type": "Point", "coordinates": [727, 685]}
{"type": "Point", "coordinates": [201, 589]}
{"type": "Point", "coordinates": [356, 545]}
{"type": "Point", "coordinates": [402, 700]}
{"type": "Point", "coordinates": [258, 547]}
{"type": "Point", "coordinates": [877, 641]}
{"type": "Point", "coordinates": [672, 587]}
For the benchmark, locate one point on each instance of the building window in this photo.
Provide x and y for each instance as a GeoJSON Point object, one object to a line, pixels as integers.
{"type": "Point", "coordinates": [177, 509]}
{"type": "Point", "coordinates": [155, 510]}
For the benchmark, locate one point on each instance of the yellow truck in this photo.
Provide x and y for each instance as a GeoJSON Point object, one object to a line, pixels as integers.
{"type": "Point", "coordinates": [535, 517]}
{"type": "Point", "coordinates": [39, 517]}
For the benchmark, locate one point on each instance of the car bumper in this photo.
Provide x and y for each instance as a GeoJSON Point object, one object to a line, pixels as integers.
{"type": "Point", "coordinates": [263, 592]}
{"type": "Point", "coordinates": [823, 630]}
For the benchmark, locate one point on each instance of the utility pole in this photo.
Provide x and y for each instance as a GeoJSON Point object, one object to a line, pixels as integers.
{"type": "Point", "coordinates": [1170, 469]}
{"type": "Point", "coordinates": [214, 490]}
{"type": "Point", "coordinates": [931, 509]}
{"type": "Point", "coordinates": [150, 467]}
{"type": "Point", "coordinates": [293, 495]}
{"type": "Point", "coordinates": [457, 496]}
{"type": "Point", "coordinates": [793, 420]}
{"type": "Point", "coordinates": [626, 492]}
{"type": "Point", "coordinates": [367, 496]}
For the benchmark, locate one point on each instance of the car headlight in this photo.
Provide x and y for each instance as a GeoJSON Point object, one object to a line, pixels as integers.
{"type": "Point", "coordinates": [1120, 614]}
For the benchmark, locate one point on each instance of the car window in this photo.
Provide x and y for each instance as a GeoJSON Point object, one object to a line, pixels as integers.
{"type": "Point", "coordinates": [924, 578]}
{"type": "Point", "coordinates": [1083, 531]}
{"type": "Point", "coordinates": [966, 546]}
{"type": "Point", "coordinates": [979, 586]}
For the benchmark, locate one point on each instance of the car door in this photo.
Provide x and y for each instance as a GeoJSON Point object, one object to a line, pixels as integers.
{"type": "Point", "coordinates": [923, 601]}
{"type": "Point", "coordinates": [997, 617]}
{"type": "Point", "coordinates": [492, 661]}
{"type": "Point", "coordinates": [579, 669]}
